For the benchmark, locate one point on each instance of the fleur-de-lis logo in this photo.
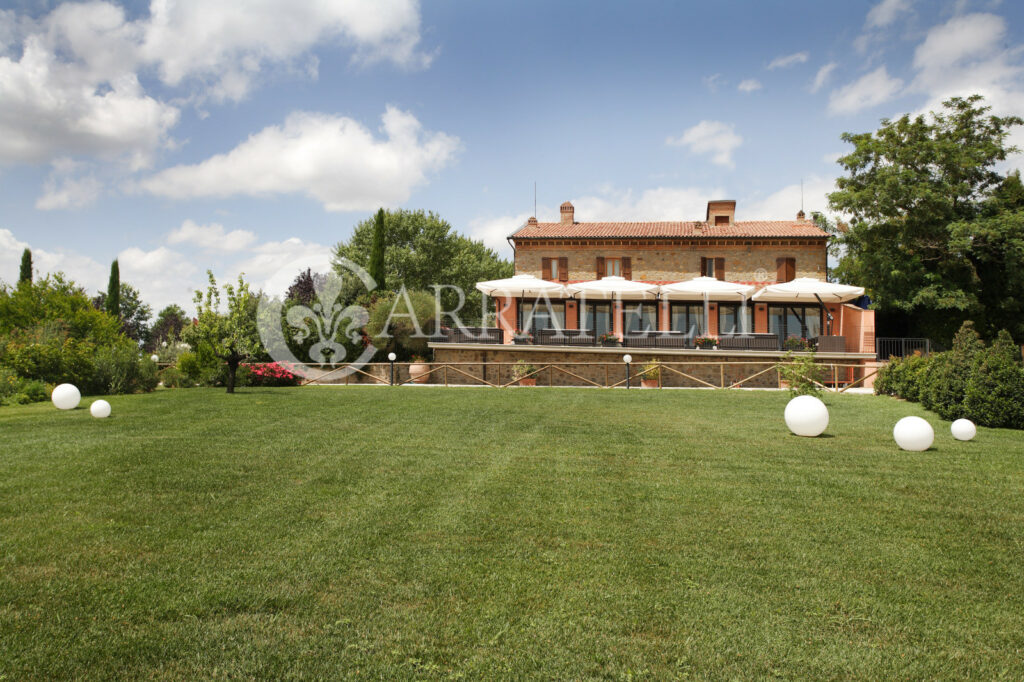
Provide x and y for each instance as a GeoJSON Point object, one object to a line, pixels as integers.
{"type": "Point", "coordinates": [326, 321]}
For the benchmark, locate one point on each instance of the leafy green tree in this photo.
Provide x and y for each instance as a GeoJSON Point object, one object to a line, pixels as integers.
{"type": "Point", "coordinates": [134, 314]}
{"type": "Point", "coordinates": [113, 301]}
{"type": "Point", "coordinates": [423, 250]}
{"type": "Point", "coordinates": [917, 191]}
{"type": "Point", "coordinates": [167, 327]}
{"type": "Point", "coordinates": [25, 274]}
{"type": "Point", "coordinates": [376, 267]}
{"type": "Point", "coordinates": [401, 321]}
{"type": "Point", "coordinates": [231, 336]}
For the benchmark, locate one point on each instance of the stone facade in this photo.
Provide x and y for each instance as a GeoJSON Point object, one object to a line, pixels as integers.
{"type": "Point", "coordinates": [671, 261]}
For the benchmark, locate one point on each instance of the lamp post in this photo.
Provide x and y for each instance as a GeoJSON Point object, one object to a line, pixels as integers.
{"type": "Point", "coordinates": [627, 359]}
{"type": "Point", "coordinates": [391, 358]}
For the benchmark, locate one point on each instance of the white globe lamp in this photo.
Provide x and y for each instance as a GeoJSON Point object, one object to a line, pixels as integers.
{"type": "Point", "coordinates": [66, 397]}
{"type": "Point", "coordinates": [392, 357]}
{"type": "Point", "coordinates": [100, 409]}
{"type": "Point", "coordinates": [807, 416]}
{"type": "Point", "coordinates": [913, 434]}
{"type": "Point", "coordinates": [963, 429]}
{"type": "Point", "coordinates": [154, 357]}
{"type": "Point", "coordinates": [627, 359]}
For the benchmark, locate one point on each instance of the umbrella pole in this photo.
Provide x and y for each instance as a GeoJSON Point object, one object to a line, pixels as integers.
{"type": "Point", "coordinates": [707, 316]}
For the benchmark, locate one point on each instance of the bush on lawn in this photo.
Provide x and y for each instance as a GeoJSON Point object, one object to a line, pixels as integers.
{"type": "Point", "coordinates": [270, 374]}
{"type": "Point", "coordinates": [14, 390]}
{"type": "Point", "coordinates": [172, 377]}
{"type": "Point", "coordinates": [985, 385]}
{"type": "Point", "coordinates": [995, 392]}
{"type": "Point", "coordinates": [801, 372]}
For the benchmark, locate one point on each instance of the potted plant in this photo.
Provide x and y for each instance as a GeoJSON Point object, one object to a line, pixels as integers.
{"type": "Point", "coordinates": [651, 374]}
{"type": "Point", "coordinates": [796, 343]}
{"type": "Point", "coordinates": [522, 336]}
{"type": "Point", "coordinates": [419, 370]}
{"type": "Point", "coordinates": [520, 371]}
{"type": "Point", "coordinates": [609, 339]}
{"type": "Point", "coordinates": [707, 342]}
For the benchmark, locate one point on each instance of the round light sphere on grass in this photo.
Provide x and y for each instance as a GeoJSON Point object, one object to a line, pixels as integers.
{"type": "Point", "coordinates": [805, 415]}
{"type": "Point", "coordinates": [154, 357]}
{"type": "Point", "coordinates": [100, 409]}
{"type": "Point", "coordinates": [66, 397]}
{"type": "Point", "coordinates": [963, 429]}
{"type": "Point", "coordinates": [913, 434]}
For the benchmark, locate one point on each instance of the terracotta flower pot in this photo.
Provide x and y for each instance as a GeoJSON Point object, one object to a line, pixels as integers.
{"type": "Point", "coordinates": [648, 383]}
{"type": "Point", "coordinates": [530, 381]}
{"type": "Point", "coordinates": [418, 371]}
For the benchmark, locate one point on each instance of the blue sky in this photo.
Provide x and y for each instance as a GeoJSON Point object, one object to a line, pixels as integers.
{"type": "Point", "coordinates": [193, 135]}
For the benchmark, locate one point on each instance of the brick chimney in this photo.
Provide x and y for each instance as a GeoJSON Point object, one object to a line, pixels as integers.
{"type": "Point", "coordinates": [568, 214]}
{"type": "Point", "coordinates": [800, 215]}
{"type": "Point", "coordinates": [721, 212]}
{"type": "Point", "coordinates": [532, 222]}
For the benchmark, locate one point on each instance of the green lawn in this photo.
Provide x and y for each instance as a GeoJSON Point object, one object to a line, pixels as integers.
{"type": "Point", "coordinates": [566, 533]}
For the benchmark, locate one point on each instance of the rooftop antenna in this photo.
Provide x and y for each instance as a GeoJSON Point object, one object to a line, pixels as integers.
{"type": "Point", "coordinates": [534, 198]}
{"type": "Point", "coordinates": [801, 195]}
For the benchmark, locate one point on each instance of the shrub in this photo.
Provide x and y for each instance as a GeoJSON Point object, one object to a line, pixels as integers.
{"type": "Point", "coordinates": [651, 370]}
{"type": "Point", "coordinates": [801, 373]}
{"type": "Point", "coordinates": [15, 390]}
{"type": "Point", "coordinates": [944, 384]}
{"type": "Point", "coordinates": [903, 377]}
{"type": "Point", "coordinates": [172, 377]}
{"type": "Point", "coordinates": [120, 369]}
{"type": "Point", "coordinates": [521, 369]}
{"type": "Point", "coordinates": [995, 392]}
{"type": "Point", "coordinates": [271, 374]}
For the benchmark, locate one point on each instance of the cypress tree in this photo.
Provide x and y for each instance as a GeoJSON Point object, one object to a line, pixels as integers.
{"type": "Point", "coordinates": [113, 304]}
{"type": "Point", "coordinates": [26, 267]}
{"type": "Point", "coordinates": [377, 254]}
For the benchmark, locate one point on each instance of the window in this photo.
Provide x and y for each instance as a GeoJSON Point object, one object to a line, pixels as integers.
{"type": "Point", "coordinates": [721, 220]}
{"type": "Point", "coordinates": [785, 269]}
{"type": "Point", "coordinates": [555, 269]}
{"type": "Point", "coordinates": [612, 267]}
{"type": "Point", "coordinates": [541, 314]}
{"type": "Point", "coordinates": [794, 320]}
{"type": "Point", "coordinates": [640, 318]}
{"type": "Point", "coordinates": [688, 318]}
{"type": "Point", "coordinates": [712, 267]}
{"type": "Point", "coordinates": [734, 318]}
{"type": "Point", "coordinates": [597, 317]}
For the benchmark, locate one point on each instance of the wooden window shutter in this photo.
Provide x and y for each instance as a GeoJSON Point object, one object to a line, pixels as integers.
{"type": "Point", "coordinates": [545, 268]}
{"type": "Point", "coordinates": [703, 266]}
{"type": "Point", "coordinates": [627, 267]}
{"type": "Point", "coordinates": [600, 267]}
{"type": "Point", "coordinates": [563, 268]}
{"type": "Point", "coordinates": [785, 269]}
{"type": "Point", "coordinates": [720, 268]}
{"type": "Point", "coordinates": [790, 269]}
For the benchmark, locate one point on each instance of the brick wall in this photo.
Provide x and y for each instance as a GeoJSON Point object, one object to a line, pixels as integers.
{"type": "Point", "coordinates": [743, 263]}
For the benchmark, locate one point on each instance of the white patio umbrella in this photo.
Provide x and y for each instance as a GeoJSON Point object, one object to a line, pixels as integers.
{"type": "Point", "coordinates": [707, 289]}
{"type": "Point", "coordinates": [809, 290]}
{"type": "Point", "coordinates": [522, 286]}
{"type": "Point", "coordinates": [614, 287]}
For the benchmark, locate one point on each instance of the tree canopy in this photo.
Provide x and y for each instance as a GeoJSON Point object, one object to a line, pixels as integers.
{"type": "Point", "coordinates": [231, 336]}
{"type": "Point", "coordinates": [421, 250]}
{"type": "Point", "coordinates": [936, 233]}
{"type": "Point", "coordinates": [134, 314]}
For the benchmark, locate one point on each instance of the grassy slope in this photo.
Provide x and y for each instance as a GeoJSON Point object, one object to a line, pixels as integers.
{"type": "Point", "coordinates": [570, 533]}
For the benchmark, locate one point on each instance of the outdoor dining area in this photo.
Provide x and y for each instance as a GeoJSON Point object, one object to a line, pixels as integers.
{"type": "Point", "coordinates": [703, 313]}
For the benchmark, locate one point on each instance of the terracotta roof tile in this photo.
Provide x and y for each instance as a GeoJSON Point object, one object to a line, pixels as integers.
{"type": "Point", "coordinates": [673, 229]}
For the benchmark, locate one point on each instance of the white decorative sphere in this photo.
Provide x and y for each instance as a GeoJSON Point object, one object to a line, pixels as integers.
{"type": "Point", "coordinates": [963, 429]}
{"type": "Point", "coordinates": [100, 409]}
{"type": "Point", "coordinates": [154, 357]}
{"type": "Point", "coordinates": [66, 397]}
{"type": "Point", "coordinates": [913, 434]}
{"type": "Point", "coordinates": [627, 359]}
{"type": "Point", "coordinates": [392, 357]}
{"type": "Point", "coordinates": [805, 415]}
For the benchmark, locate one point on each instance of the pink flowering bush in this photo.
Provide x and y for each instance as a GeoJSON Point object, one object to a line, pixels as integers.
{"type": "Point", "coordinates": [270, 374]}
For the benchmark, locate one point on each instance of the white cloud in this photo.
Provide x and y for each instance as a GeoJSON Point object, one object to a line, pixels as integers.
{"type": "Point", "coordinates": [749, 85]}
{"type": "Point", "coordinates": [710, 137]}
{"type": "Point", "coordinates": [212, 237]}
{"type": "Point", "coordinates": [83, 270]}
{"type": "Point", "coordinates": [886, 12]}
{"type": "Point", "coordinates": [333, 159]}
{"type": "Point", "coordinates": [972, 36]}
{"type": "Point", "coordinates": [833, 157]}
{"type": "Point", "coordinates": [713, 82]}
{"type": "Point", "coordinates": [493, 231]}
{"type": "Point", "coordinates": [69, 185]}
{"type": "Point", "coordinates": [788, 60]}
{"type": "Point", "coordinates": [868, 91]}
{"type": "Point", "coordinates": [273, 266]}
{"type": "Point", "coordinates": [227, 44]}
{"type": "Point", "coordinates": [161, 275]}
{"type": "Point", "coordinates": [784, 203]}
{"type": "Point", "coordinates": [822, 76]}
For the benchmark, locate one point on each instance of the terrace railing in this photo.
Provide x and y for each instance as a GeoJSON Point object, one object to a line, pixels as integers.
{"type": "Point", "coordinates": [891, 347]}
